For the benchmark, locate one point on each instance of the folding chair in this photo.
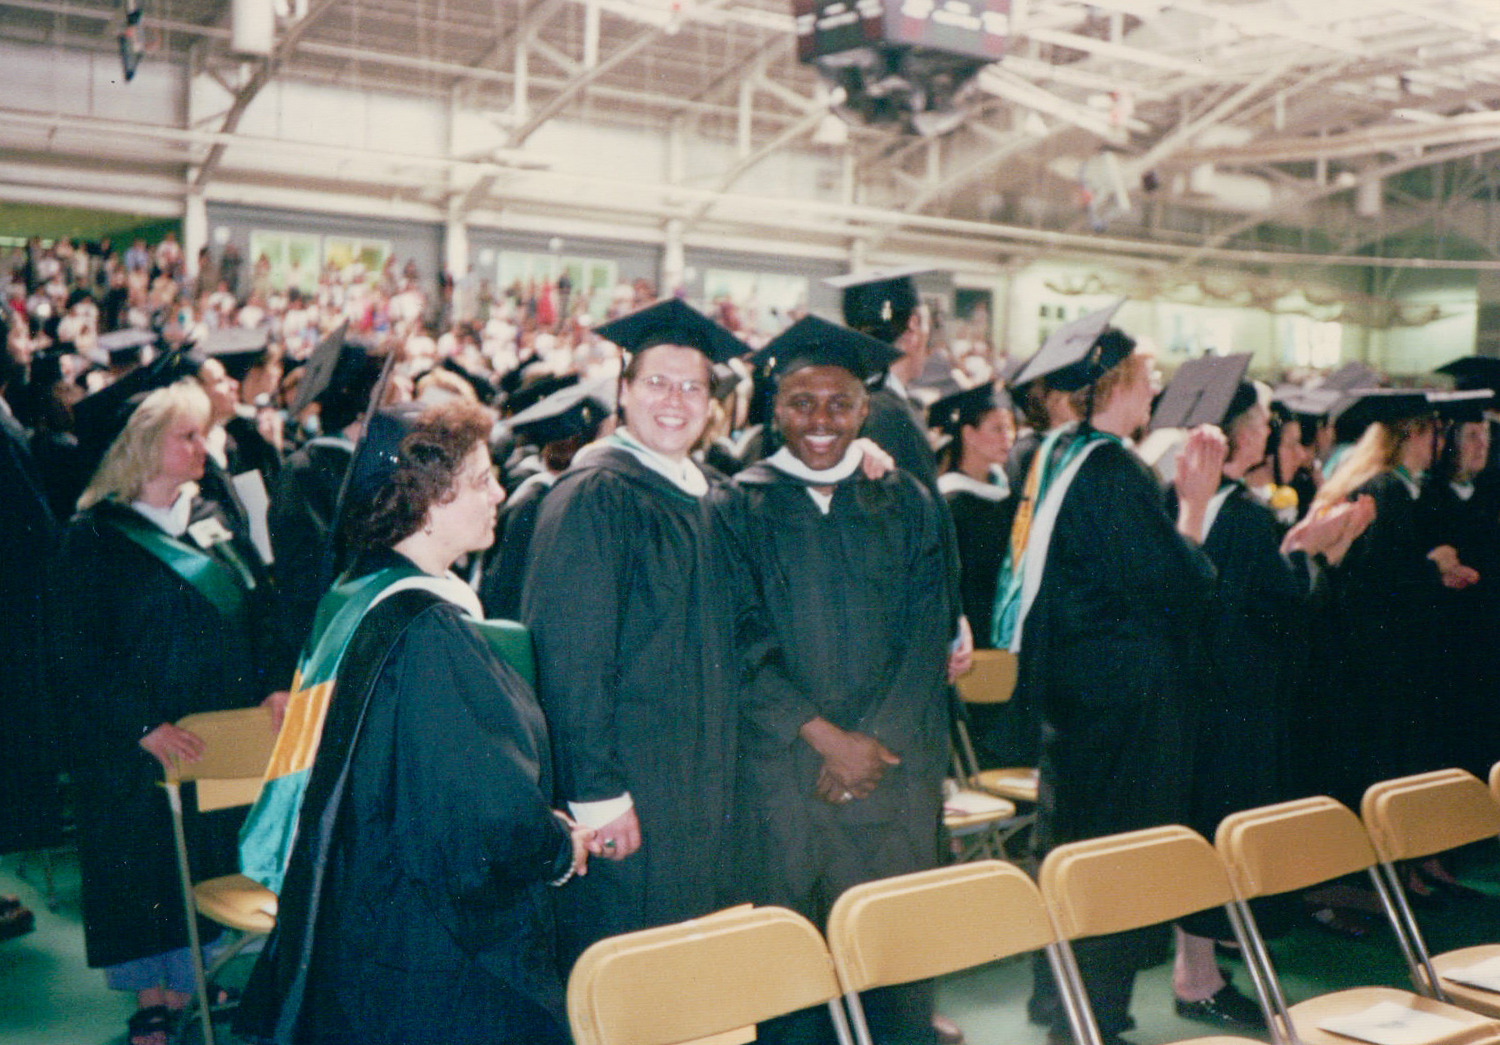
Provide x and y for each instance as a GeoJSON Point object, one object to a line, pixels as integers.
{"type": "Point", "coordinates": [1414, 817]}
{"type": "Point", "coordinates": [707, 981]}
{"type": "Point", "coordinates": [980, 822]}
{"type": "Point", "coordinates": [1128, 881]}
{"type": "Point", "coordinates": [992, 680]}
{"type": "Point", "coordinates": [236, 748]}
{"type": "Point", "coordinates": [1293, 846]}
{"type": "Point", "coordinates": [917, 926]}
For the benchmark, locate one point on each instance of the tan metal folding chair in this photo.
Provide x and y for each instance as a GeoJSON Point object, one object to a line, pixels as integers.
{"type": "Point", "coordinates": [1414, 817]}
{"type": "Point", "coordinates": [1293, 846]}
{"type": "Point", "coordinates": [917, 926]}
{"type": "Point", "coordinates": [992, 680]}
{"type": "Point", "coordinates": [1128, 881]}
{"type": "Point", "coordinates": [707, 981]}
{"type": "Point", "coordinates": [236, 748]}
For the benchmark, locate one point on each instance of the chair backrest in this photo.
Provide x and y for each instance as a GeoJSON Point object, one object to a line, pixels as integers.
{"type": "Point", "coordinates": [1292, 845]}
{"type": "Point", "coordinates": [1125, 881]}
{"type": "Point", "coordinates": [991, 680]}
{"type": "Point", "coordinates": [931, 923]}
{"type": "Point", "coordinates": [1416, 816]}
{"type": "Point", "coordinates": [236, 749]}
{"type": "Point", "coordinates": [683, 982]}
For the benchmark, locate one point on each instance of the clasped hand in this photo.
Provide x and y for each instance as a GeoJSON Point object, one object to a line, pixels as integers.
{"type": "Point", "coordinates": [853, 763]}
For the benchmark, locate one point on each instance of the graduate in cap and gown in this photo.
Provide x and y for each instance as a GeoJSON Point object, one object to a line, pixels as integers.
{"type": "Point", "coordinates": [414, 905]}
{"type": "Point", "coordinates": [1256, 635]}
{"type": "Point", "coordinates": [847, 599]}
{"type": "Point", "coordinates": [559, 426]}
{"type": "Point", "coordinates": [1379, 715]}
{"type": "Point", "coordinates": [1106, 611]}
{"type": "Point", "coordinates": [1460, 505]}
{"type": "Point", "coordinates": [884, 305]}
{"type": "Point", "coordinates": [150, 625]}
{"type": "Point", "coordinates": [633, 625]}
{"type": "Point", "coordinates": [29, 532]}
{"type": "Point", "coordinates": [340, 378]}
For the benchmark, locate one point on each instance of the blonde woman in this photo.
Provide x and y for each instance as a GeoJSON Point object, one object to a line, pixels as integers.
{"type": "Point", "coordinates": [150, 627]}
{"type": "Point", "coordinates": [1378, 722]}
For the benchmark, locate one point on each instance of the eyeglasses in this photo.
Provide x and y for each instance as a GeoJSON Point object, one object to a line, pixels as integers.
{"type": "Point", "coordinates": [659, 386]}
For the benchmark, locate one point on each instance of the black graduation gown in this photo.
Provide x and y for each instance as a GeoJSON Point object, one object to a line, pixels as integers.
{"type": "Point", "coordinates": [1112, 662]}
{"type": "Point", "coordinates": [30, 814]}
{"type": "Point", "coordinates": [415, 908]}
{"type": "Point", "coordinates": [500, 591]}
{"type": "Point", "coordinates": [633, 625]}
{"type": "Point", "coordinates": [1379, 721]}
{"type": "Point", "coordinates": [137, 646]}
{"type": "Point", "coordinates": [1003, 734]}
{"type": "Point", "coordinates": [855, 606]}
{"type": "Point", "coordinates": [1112, 656]}
{"type": "Point", "coordinates": [1469, 722]}
{"type": "Point", "coordinates": [248, 450]}
{"type": "Point", "coordinates": [981, 530]}
{"type": "Point", "coordinates": [1256, 638]}
{"type": "Point", "coordinates": [304, 507]}
{"type": "Point", "coordinates": [1257, 654]}
{"type": "Point", "coordinates": [896, 430]}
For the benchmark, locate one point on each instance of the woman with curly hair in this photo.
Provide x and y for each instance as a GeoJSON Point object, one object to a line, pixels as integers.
{"type": "Point", "coordinates": [413, 906]}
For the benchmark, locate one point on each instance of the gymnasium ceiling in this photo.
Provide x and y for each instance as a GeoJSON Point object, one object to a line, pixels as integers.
{"type": "Point", "coordinates": [1361, 130]}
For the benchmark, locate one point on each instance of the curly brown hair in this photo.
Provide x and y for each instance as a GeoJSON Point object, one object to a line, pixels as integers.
{"type": "Point", "coordinates": [431, 455]}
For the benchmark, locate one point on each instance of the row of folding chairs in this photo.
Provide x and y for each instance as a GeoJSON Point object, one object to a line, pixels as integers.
{"type": "Point", "coordinates": [943, 921]}
{"type": "Point", "coordinates": [714, 978]}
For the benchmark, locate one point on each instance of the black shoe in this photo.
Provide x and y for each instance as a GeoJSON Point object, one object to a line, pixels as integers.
{"type": "Point", "coordinates": [1227, 1006]}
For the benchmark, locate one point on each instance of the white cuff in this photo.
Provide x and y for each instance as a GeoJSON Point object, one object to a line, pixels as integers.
{"type": "Point", "coordinates": [594, 815]}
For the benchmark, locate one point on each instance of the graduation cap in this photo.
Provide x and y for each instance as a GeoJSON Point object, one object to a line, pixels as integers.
{"type": "Point", "coordinates": [1310, 403]}
{"type": "Point", "coordinates": [1351, 376]}
{"type": "Point", "coordinates": [722, 381]}
{"type": "Point", "coordinates": [672, 322]}
{"type": "Point", "coordinates": [1386, 405]}
{"type": "Point", "coordinates": [484, 390]}
{"type": "Point", "coordinates": [1078, 353]}
{"type": "Point", "coordinates": [124, 347]}
{"type": "Point", "coordinates": [528, 395]}
{"type": "Point", "coordinates": [952, 412]}
{"type": "Point", "coordinates": [1462, 406]}
{"type": "Point", "coordinates": [1209, 390]}
{"type": "Point", "coordinates": [875, 299]}
{"type": "Point", "coordinates": [378, 454]}
{"type": "Point", "coordinates": [816, 342]}
{"type": "Point", "coordinates": [321, 365]}
{"type": "Point", "coordinates": [237, 348]}
{"type": "Point", "coordinates": [98, 419]}
{"type": "Point", "coordinates": [1473, 372]}
{"type": "Point", "coordinates": [575, 410]}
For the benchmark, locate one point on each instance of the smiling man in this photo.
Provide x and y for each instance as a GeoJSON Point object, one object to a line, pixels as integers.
{"type": "Point", "coordinates": [846, 610]}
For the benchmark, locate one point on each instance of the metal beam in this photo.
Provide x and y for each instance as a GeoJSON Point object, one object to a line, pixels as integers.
{"type": "Point", "coordinates": [481, 188]}
{"type": "Point", "coordinates": [262, 76]}
{"type": "Point", "coordinates": [803, 126]}
{"type": "Point", "coordinates": [1223, 236]}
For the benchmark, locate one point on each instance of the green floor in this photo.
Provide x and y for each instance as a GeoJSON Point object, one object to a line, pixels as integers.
{"type": "Point", "coordinates": [49, 997]}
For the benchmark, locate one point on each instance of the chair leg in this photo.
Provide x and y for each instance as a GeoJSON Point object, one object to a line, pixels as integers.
{"type": "Point", "coordinates": [190, 912]}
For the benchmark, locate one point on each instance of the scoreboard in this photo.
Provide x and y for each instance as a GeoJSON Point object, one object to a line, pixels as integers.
{"type": "Point", "coordinates": [974, 29]}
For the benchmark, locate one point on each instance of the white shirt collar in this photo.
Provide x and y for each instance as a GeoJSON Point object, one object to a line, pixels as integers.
{"type": "Point", "coordinates": [895, 384]}
{"type": "Point", "coordinates": [784, 461]}
{"type": "Point", "coordinates": [216, 443]}
{"type": "Point", "coordinates": [1412, 486]}
{"type": "Point", "coordinates": [173, 520]}
{"type": "Point", "coordinates": [684, 474]}
{"type": "Point", "coordinates": [1463, 490]}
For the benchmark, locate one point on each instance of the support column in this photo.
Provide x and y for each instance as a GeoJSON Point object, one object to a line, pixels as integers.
{"type": "Point", "coordinates": [673, 259]}
{"type": "Point", "coordinates": [194, 230]}
{"type": "Point", "coordinates": [456, 248]}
